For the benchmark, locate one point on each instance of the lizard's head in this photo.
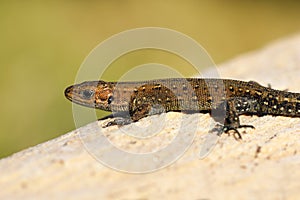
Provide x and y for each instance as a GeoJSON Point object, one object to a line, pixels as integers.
{"type": "Point", "coordinates": [95, 94]}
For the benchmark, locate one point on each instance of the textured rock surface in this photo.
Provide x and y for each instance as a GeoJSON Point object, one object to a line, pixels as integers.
{"type": "Point", "coordinates": [264, 165]}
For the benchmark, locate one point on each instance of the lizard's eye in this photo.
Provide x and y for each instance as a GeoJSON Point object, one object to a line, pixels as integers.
{"type": "Point", "coordinates": [110, 99]}
{"type": "Point", "coordinates": [87, 94]}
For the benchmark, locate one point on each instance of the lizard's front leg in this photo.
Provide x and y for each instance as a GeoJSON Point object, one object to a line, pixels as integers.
{"type": "Point", "coordinates": [145, 101]}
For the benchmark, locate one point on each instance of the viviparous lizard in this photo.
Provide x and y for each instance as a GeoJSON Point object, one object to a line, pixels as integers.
{"type": "Point", "coordinates": [224, 99]}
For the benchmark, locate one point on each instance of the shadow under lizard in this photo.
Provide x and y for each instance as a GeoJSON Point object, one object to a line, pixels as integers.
{"type": "Point", "coordinates": [224, 99]}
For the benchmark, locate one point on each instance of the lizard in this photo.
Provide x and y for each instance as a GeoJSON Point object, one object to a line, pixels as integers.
{"type": "Point", "coordinates": [224, 99]}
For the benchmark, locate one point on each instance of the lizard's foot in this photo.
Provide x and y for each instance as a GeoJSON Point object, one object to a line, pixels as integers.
{"type": "Point", "coordinates": [237, 134]}
{"type": "Point", "coordinates": [118, 121]}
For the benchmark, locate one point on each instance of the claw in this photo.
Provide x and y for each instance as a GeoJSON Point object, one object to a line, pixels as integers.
{"type": "Point", "coordinates": [227, 129]}
{"type": "Point", "coordinates": [108, 124]}
{"type": "Point", "coordinates": [239, 136]}
{"type": "Point", "coordinates": [246, 126]}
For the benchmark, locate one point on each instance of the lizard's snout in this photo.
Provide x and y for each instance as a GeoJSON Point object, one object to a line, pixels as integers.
{"type": "Point", "coordinates": [68, 92]}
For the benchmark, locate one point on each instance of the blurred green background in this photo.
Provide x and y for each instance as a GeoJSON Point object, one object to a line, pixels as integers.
{"type": "Point", "coordinates": [43, 43]}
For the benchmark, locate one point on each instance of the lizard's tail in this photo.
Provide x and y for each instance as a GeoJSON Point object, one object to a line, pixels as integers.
{"type": "Point", "coordinates": [281, 103]}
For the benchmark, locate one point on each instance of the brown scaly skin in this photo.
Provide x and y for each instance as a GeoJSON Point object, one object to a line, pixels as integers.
{"type": "Point", "coordinates": [225, 99]}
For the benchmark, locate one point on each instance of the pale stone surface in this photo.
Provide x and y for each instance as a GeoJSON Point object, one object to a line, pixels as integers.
{"type": "Point", "coordinates": [264, 165]}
